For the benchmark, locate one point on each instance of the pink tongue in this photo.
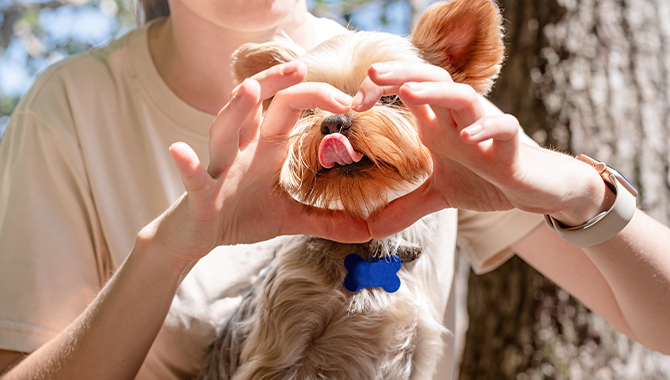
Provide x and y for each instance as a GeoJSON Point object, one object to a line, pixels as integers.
{"type": "Point", "coordinates": [335, 148]}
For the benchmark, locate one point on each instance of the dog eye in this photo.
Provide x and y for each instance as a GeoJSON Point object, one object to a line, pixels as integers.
{"type": "Point", "coordinates": [390, 100]}
{"type": "Point", "coordinates": [309, 112]}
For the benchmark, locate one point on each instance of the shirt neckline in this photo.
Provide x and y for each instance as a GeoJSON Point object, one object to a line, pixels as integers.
{"type": "Point", "coordinates": [158, 91]}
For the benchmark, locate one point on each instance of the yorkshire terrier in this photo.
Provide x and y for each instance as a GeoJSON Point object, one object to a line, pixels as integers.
{"type": "Point", "coordinates": [326, 310]}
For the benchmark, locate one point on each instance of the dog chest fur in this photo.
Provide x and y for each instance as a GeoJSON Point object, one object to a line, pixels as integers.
{"type": "Point", "coordinates": [300, 323]}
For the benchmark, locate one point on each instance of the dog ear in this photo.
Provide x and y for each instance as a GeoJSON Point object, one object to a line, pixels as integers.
{"type": "Point", "coordinates": [465, 38]}
{"type": "Point", "coordinates": [250, 59]}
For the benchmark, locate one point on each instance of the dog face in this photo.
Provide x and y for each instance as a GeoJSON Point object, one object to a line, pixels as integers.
{"type": "Point", "coordinates": [358, 162]}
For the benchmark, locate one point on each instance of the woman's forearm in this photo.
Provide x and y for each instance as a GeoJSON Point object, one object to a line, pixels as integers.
{"type": "Point", "coordinates": [636, 264]}
{"type": "Point", "coordinates": [626, 279]}
{"type": "Point", "coordinates": [111, 338]}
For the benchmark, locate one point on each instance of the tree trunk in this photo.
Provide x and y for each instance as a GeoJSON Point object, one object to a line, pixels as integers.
{"type": "Point", "coordinates": [583, 76]}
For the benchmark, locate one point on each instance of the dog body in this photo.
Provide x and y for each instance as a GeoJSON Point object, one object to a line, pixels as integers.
{"type": "Point", "coordinates": [299, 321]}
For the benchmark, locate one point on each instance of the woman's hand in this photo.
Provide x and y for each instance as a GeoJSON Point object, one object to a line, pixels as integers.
{"type": "Point", "coordinates": [478, 161]}
{"type": "Point", "coordinates": [235, 200]}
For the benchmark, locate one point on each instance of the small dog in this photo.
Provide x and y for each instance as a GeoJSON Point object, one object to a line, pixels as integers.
{"type": "Point", "coordinates": [318, 312]}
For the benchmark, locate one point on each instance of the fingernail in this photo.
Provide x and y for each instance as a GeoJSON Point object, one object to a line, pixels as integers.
{"type": "Point", "coordinates": [382, 68]}
{"type": "Point", "coordinates": [343, 98]}
{"type": "Point", "coordinates": [414, 86]}
{"type": "Point", "coordinates": [473, 130]}
{"type": "Point", "coordinates": [288, 68]}
{"type": "Point", "coordinates": [358, 100]}
{"type": "Point", "coordinates": [236, 91]}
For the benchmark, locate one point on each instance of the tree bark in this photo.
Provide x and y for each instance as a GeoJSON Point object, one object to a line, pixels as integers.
{"type": "Point", "coordinates": [583, 76]}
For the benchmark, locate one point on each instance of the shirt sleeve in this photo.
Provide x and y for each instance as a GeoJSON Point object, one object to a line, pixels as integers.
{"type": "Point", "coordinates": [485, 237]}
{"type": "Point", "coordinates": [50, 241]}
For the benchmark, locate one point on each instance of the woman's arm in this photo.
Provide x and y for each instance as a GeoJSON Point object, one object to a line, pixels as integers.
{"type": "Point", "coordinates": [233, 201]}
{"type": "Point", "coordinates": [626, 279]}
{"type": "Point", "coordinates": [113, 335]}
{"type": "Point", "coordinates": [480, 165]}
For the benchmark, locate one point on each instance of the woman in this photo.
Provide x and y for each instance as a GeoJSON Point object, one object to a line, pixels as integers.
{"type": "Point", "coordinates": [86, 166]}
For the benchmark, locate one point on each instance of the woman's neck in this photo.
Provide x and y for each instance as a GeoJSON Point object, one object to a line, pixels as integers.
{"type": "Point", "coordinates": [192, 55]}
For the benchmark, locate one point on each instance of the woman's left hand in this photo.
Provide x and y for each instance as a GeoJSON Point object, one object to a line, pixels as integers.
{"type": "Point", "coordinates": [478, 162]}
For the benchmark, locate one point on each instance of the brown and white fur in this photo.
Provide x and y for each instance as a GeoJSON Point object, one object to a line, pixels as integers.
{"type": "Point", "coordinates": [298, 321]}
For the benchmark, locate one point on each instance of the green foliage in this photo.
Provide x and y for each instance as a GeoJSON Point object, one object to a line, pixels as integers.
{"type": "Point", "coordinates": [7, 104]}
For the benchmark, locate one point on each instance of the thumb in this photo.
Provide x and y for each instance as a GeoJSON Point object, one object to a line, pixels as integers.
{"type": "Point", "coordinates": [406, 210]}
{"type": "Point", "coordinates": [195, 177]}
{"type": "Point", "coordinates": [328, 224]}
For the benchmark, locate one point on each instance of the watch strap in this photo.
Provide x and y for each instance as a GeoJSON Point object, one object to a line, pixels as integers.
{"type": "Point", "coordinates": [604, 225]}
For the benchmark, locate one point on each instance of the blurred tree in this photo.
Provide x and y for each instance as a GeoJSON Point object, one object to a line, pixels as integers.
{"type": "Point", "coordinates": [589, 76]}
{"type": "Point", "coordinates": [34, 34]}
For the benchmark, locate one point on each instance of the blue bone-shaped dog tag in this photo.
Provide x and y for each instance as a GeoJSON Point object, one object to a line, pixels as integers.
{"type": "Point", "coordinates": [372, 273]}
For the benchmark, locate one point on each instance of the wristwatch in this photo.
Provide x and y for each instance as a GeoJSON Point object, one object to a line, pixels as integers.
{"type": "Point", "coordinates": [608, 223]}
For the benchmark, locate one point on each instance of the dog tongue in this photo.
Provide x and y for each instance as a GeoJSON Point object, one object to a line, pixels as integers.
{"type": "Point", "coordinates": [335, 148]}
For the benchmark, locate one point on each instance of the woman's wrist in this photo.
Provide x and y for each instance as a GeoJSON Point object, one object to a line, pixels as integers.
{"type": "Point", "coordinates": [592, 198]}
{"type": "Point", "coordinates": [179, 237]}
{"type": "Point", "coordinates": [170, 258]}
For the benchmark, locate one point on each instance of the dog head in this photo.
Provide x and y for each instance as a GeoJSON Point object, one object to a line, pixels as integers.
{"type": "Point", "coordinates": [358, 162]}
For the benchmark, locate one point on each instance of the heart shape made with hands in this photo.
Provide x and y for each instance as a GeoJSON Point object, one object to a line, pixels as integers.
{"type": "Point", "coordinates": [359, 161]}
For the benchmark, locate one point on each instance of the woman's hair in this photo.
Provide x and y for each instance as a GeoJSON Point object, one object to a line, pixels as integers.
{"type": "Point", "coordinates": [152, 9]}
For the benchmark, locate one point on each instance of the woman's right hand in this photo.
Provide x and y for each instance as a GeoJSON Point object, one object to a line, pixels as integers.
{"type": "Point", "coordinates": [236, 199]}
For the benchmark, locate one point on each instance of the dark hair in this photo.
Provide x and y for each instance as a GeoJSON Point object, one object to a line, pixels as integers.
{"type": "Point", "coordinates": [152, 9]}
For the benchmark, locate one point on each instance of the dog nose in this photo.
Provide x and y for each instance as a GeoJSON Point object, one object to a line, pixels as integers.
{"type": "Point", "coordinates": [336, 123]}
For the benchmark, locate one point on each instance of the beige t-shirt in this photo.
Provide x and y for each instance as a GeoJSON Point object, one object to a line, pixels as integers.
{"type": "Point", "coordinates": [84, 165]}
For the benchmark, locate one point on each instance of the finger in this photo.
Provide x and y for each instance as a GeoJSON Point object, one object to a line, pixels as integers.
{"type": "Point", "coordinates": [395, 73]}
{"type": "Point", "coordinates": [497, 127]}
{"type": "Point", "coordinates": [288, 104]}
{"type": "Point", "coordinates": [280, 77]}
{"type": "Point", "coordinates": [369, 93]}
{"type": "Point", "coordinates": [385, 78]}
{"type": "Point", "coordinates": [406, 210]}
{"type": "Point", "coordinates": [195, 177]}
{"type": "Point", "coordinates": [502, 130]}
{"type": "Point", "coordinates": [450, 101]}
{"type": "Point", "coordinates": [249, 129]}
{"type": "Point", "coordinates": [224, 135]}
{"type": "Point", "coordinates": [271, 81]}
{"type": "Point", "coordinates": [328, 224]}
{"type": "Point", "coordinates": [424, 115]}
